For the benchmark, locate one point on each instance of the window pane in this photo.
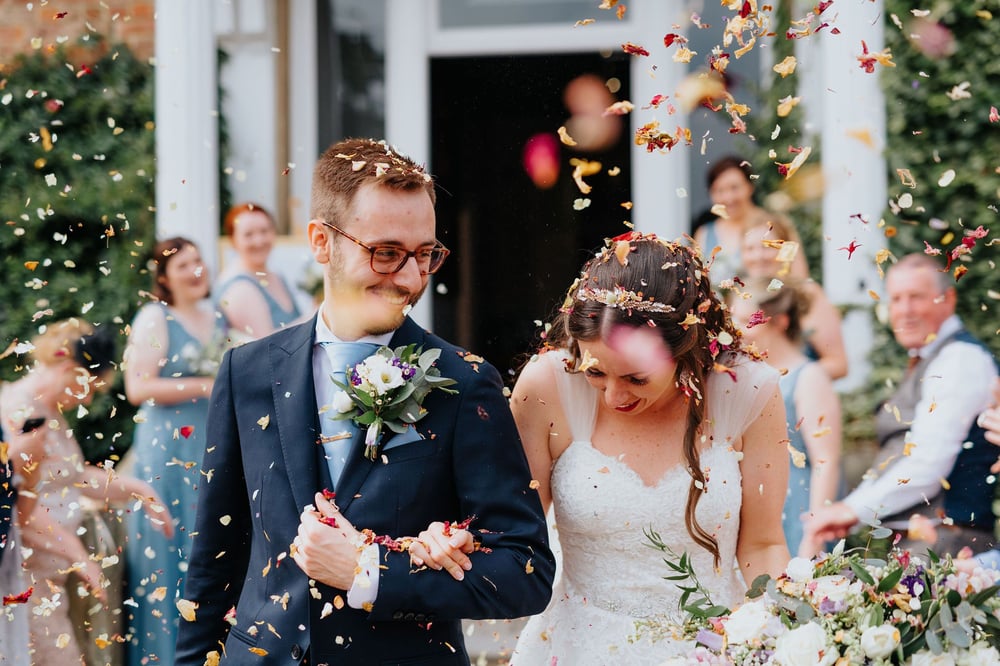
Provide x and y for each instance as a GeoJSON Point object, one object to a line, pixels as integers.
{"type": "Point", "coordinates": [351, 45]}
{"type": "Point", "coordinates": [491, 13]}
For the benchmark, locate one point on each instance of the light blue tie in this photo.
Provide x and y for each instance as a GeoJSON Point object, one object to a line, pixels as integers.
{"type": "Point", "coordinates": [339, 436]}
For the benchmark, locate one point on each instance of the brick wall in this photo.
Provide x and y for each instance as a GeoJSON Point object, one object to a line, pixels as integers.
{"type": "Point", "coordinates": [22, 21]}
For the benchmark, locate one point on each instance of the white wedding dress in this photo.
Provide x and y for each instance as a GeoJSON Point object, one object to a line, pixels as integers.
{"type": "Point", "coordinates": [610, 577]}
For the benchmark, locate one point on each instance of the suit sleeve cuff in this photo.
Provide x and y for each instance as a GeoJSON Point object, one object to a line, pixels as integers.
{"type": "Point", "coordinates": [364, 589]}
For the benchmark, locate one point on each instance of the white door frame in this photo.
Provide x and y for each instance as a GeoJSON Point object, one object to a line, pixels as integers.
{"type": "Point", "coordinates": [414, 33]}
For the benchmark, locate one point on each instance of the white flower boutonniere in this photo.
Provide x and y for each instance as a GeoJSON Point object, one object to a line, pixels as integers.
{"type": "Point", "coordinates": [387, 390]}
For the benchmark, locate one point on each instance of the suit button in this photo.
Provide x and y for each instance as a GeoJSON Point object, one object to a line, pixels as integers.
{"type": "Point", "coordinates": [296, 652]}
{"type": "Point", "coordinates": [408, 617]}
{"type": "Point", "coordinates": [398, 615]}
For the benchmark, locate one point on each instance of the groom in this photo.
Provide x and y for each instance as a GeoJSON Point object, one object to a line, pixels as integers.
{"type": "Point", "coordinates": [277, 574]}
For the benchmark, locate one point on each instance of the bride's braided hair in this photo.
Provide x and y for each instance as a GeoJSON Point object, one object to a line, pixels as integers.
{"type": "Point", "coordinates": [639, 280]}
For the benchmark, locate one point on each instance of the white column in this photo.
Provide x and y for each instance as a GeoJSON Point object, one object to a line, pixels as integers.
{"type": "Point", "coordinates": [187, 137]}
{"type": "Point", "coordinates": [659, 180]}
{"type": "Point", "coordinates": [854, 173]}
{"type": "Point", "coordinates": [407, 96]}
{"type": "Point", "coordinates": [303, 121]}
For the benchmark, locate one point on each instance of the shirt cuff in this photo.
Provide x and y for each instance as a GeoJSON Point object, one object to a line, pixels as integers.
{"type": "Point", "coordinates": [989, 560]}
{"type": "Point", "coordinates": [865, 514]}
{"type": "Point", "coordinates": [364, 589]}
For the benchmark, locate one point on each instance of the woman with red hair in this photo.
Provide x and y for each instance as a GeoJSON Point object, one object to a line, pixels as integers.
{"type": "Point", "coordinates": [254, 299]}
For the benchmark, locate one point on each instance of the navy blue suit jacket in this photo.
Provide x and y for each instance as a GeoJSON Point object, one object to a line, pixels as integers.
{"type": "Point", "coordinates": [259, 477]}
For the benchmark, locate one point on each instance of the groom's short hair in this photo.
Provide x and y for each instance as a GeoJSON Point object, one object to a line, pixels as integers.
{"type": "Point", "coordinates": [348, 164]}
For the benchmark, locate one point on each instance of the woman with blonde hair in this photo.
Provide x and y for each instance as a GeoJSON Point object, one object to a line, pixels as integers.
{"type": "Point", "coordinates": [69, 363]}
{"type": "Point", "coordinates": [770, 245]}
{"type": "Point", "coordinates": [771, 320]}
{"type": "Point", "coordinates": [731, 189]}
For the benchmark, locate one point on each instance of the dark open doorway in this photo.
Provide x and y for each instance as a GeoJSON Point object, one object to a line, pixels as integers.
{"type": "Point", "coordinates": [516, 247]}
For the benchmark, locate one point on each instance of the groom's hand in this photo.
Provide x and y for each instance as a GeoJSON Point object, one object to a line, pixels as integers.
{"type": "Point", "coordinates": [326, 547]}
{"type": "Point", "coordinates": [439, 550]}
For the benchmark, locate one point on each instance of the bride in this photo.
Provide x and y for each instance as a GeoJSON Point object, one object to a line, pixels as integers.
{"type": "Point", "coordinates": [641, 413]}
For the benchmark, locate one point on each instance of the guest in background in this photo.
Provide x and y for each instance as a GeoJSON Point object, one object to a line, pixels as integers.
{"type": "Point", "coordinates": [174, 350]}
{"type": "Point", "coordinates": [14, 635]}
{"type": "Point", "coordinates": [934, 459]}
{"type": "Point", "coordinates": [731, 190]}
{"type": "Point", "coordinates": [771, 320]}
{"type": "Point", "coordinates": [69, 363]}
{"type": "Point", "coordinates": [768, 244]}
{"type": "Point", "coordinates": [989, 421]}
{"type": "Point", "coordinates": [255, 300]}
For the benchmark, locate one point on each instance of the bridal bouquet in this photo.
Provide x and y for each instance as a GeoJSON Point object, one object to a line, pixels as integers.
{"type": "Point", "coordinates": [842, 609]}
{"type": "Point", "coordinates": [204, 360]}
{"type": "Point", "coordinates": [387, 389]}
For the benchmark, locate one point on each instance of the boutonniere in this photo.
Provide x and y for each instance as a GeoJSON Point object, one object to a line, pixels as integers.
{"type": "Point", "coordinates": [387, 390]}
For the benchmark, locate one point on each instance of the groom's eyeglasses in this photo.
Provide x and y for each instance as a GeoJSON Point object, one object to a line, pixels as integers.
{"type": "Point", "coordinates": [389, 259]}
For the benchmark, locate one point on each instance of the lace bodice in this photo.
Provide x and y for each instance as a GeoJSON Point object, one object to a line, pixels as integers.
{"type": "Point", "coordinates": [610, 576]}
{"type": "Point", "coordinates": [602, 511]}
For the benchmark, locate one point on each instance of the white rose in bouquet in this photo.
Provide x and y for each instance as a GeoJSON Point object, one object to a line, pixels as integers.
{"type": "Point", "coordinates": [747, 622]}
{"type": "Point", "coordinates": [800, 569]}
{"type": "Point", "coordinates": [980, 654]}
{"type": "Point", "coordinates": [342, 402]}
{"type": "Point", "coordinates": [927, 658]}
{"type": "Point", "coordinates": [381, 374]}
{"type": "Point", "coordinates": [805, 646]}
{"type": "Point", "coordinates": [879, 642]}
{"type": "Point", "coordinates": [835, 589]}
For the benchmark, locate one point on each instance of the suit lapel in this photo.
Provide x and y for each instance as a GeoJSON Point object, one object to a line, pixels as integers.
{"type": "Point", "coordinates": [295, 409]}
{"type": "Point", "coordinates": [358, 467]}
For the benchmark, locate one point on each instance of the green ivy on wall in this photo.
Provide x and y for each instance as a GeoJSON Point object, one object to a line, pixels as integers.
{"type": "Point", "coordinates": [76, 203]}
{"type": "Point", "coordinates": [938, 100]}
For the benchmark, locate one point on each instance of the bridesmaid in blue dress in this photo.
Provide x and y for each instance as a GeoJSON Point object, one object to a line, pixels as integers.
{"type": "Point", "coordinates": [772, 322]}
{"type": "Point", "coordinates": [730, 182]}
{"type": "Point", "coordinates": [175, 346]}
{"type": "Point", "coordinates": [254, 299]}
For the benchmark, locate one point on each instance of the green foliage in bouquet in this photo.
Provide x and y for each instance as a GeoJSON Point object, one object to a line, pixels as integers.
{"type": "Point", "coordinates": [76, 201]}
{"type": "Point", "coordinates": [845, 608]}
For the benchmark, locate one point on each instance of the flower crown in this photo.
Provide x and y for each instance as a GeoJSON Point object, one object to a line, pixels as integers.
{"type": "Point", "coordinates": [619, 248]}
{"type": "Point", "coordinates": [622, 299]}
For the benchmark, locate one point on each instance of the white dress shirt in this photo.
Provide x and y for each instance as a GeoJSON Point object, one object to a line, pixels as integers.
{"type": "Point", "coordinates": [364, 590]}
{"type": "Point", "coordinates": [956, 386]}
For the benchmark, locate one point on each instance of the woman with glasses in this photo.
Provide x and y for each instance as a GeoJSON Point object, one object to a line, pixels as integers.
{"type": "Point", "coordinates": [254, 299]}
{"type": "Point", "coordinates": [70, 362]}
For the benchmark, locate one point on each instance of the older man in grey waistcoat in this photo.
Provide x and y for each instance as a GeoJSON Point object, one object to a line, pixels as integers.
{"type": "Point", "coordinates": [934, 460]}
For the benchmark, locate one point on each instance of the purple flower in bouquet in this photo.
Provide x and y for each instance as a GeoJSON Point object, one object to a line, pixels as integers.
{"type": "Point", "coordinates": [846, 608]}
